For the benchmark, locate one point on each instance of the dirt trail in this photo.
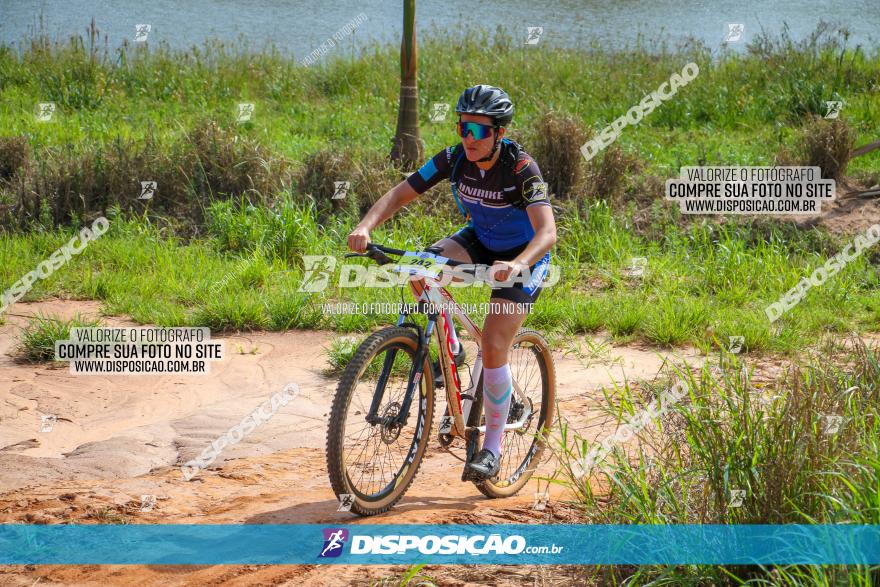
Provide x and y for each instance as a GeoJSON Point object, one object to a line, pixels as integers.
{"type": "Point", "coordinates": [119, 438]}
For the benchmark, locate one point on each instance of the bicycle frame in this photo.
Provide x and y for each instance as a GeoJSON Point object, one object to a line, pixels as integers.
{"type": "Point", "coordinates": [428, 292]}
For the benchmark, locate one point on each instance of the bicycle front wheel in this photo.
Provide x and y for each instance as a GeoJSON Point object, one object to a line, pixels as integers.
{"type": "Point", "coordinates": [531, 365]}
{"type": "Point", "coordinates": [375, 462]}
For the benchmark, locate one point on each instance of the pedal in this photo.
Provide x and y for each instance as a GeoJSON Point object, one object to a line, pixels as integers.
{"type": "Point", "coordinates": [446, 425]}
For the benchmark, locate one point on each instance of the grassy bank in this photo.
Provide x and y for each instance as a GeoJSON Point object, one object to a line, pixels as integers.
{"type": "Point", "coordinates": [141, 113]}
{"type": "Point", "coordinates": [702, 283]}
{"type": "Point", "coordinates": [238, 205]}
{"type": "Point", "coordinates": [738, 448]}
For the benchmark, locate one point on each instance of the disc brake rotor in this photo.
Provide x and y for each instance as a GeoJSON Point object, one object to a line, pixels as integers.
{"type": "Point", "coordinates": [390, 428]}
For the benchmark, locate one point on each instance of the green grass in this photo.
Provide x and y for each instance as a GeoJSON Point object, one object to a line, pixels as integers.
{"type": "Point", "coordinates": [411, 574]}
{"type": "Point", "coordinates": [703, 283]}
{"type": "Point", "coordinates": [239, 205]}
{"type": "Point", "coordinates": [130, 114]}
{"type": "Point", "coordinates": [129, 91]}
{"type": "Point", "coordinates": [340, 353]}
{"type": "Point", "coordinates": [772, 440]}
{"type": "Point", "coordinates": [39, 336]}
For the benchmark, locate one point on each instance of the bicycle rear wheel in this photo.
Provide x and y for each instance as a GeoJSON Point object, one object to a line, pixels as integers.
{"type": "Point", "coordinates": [375, 463]}
{"type": "Point", "coordinates": [531, 365]}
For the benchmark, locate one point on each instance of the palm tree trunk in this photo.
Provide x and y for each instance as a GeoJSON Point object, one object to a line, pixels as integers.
{"type": "Point", "coordinates": [407, 147]}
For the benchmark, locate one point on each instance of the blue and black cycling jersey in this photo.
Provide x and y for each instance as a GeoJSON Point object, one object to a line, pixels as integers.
{"type": "Point", "coordinates": [495, 199]}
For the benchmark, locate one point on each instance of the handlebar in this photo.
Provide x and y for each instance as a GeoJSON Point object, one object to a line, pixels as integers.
{"type": "Point", "coordinates": [379, 253]}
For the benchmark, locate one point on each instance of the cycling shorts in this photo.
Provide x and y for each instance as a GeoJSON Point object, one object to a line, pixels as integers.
{"type": "Point", "coordinates": [524, 293]}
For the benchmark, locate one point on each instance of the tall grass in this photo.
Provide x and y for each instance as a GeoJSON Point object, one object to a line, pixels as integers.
{"type": "Point", "coordinates": [803, 449]}
{"type": "Point", "coordinates": [39, 336]}
{"type": "Point", "coordinates": [703, 282]}
{"type": "Point", "coordinates": [251, 199]}
{"type": "Point", "coordinates": [132, 114]}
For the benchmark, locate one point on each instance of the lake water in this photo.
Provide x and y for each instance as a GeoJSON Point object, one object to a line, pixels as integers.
{"type": "Point", "coordinates": [299, 27]}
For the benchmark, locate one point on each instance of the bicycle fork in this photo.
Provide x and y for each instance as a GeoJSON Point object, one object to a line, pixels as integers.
{"type": "Point", "coordinates": [415, 375]}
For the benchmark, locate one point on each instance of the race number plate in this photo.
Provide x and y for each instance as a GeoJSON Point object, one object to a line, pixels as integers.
{"type": "Point", "coordinates": [422, 263]}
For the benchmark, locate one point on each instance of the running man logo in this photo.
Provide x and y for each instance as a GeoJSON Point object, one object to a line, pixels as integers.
{"type": "Point", "coordinates": [735, 344]}
{"type": "Point", "coordinates": [245, 111]}
{"type": "Point", "coordinates": [317, 272]}
{"type": "Point", "coordinates": [148, 190]}
{"type": "Point", "coordinates": [542, 500]}
{"type": "Point", "coordinates": [148, 502]}
{"type": "Point", "coordinates": [346, 500]}
{"type": "Point", "coordinates": [141, 32]}
{"type": "Point", "coordinates": [535, 33]}
{"type": "Point", "coordinates": [340, 188]}
{"type": "Point", "coordinates": [439, 112]}
{"type": "Point", "coordinates": [832, 109]}
{"type": "Point", "coordinates": [832, 423]}
{"type": "Point", "coordinates": [734, 32]}
{"type": "Point", "coordinates": [637, 268]}
{"type": "Point", "coordinates": [45, 111]}
{"type": "Point", "coordinates": [736, 498]}
{"type": "Point", "coordinates": [334, 541]}
{"type": "Point", "coordinates": [47, 422]}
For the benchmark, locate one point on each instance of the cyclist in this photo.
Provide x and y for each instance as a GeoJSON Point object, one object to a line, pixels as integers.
{"type": "Point", "coordinates": [511, 227]}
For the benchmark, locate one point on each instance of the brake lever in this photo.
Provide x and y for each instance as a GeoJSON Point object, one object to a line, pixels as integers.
{"type": "Point", "coordinates": [379, 257]}
{"type": "Point", "coordinates": [374, 254]}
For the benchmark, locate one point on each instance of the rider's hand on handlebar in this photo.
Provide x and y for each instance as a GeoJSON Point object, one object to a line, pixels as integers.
{"type": "Point", "coordinates": [358, 239]}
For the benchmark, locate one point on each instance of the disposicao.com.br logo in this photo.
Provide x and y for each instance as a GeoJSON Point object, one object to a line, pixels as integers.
{"type": "Point", "coordinates": [453, 544]}
{"type": "Point", "coordinates": [320, 269]}
{"type": "Point", "coordinates": [334, 541]}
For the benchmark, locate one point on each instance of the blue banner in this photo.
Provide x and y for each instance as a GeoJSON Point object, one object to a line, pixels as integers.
{"type": "Point", "coordinates": [368, 544]}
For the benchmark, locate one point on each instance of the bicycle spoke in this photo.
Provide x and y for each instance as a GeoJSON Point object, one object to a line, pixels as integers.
{"type": "Point", "coordinates": [526, 362]}
{"type": "Point", "coordinates": [377, 452]}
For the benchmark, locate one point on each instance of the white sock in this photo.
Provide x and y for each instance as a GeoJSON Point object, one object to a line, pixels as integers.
{"type": "Point", "coordinates": [497, 390]}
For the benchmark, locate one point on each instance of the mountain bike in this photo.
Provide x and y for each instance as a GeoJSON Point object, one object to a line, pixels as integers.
{"type": "Point", "coordinates": [383, 409]}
